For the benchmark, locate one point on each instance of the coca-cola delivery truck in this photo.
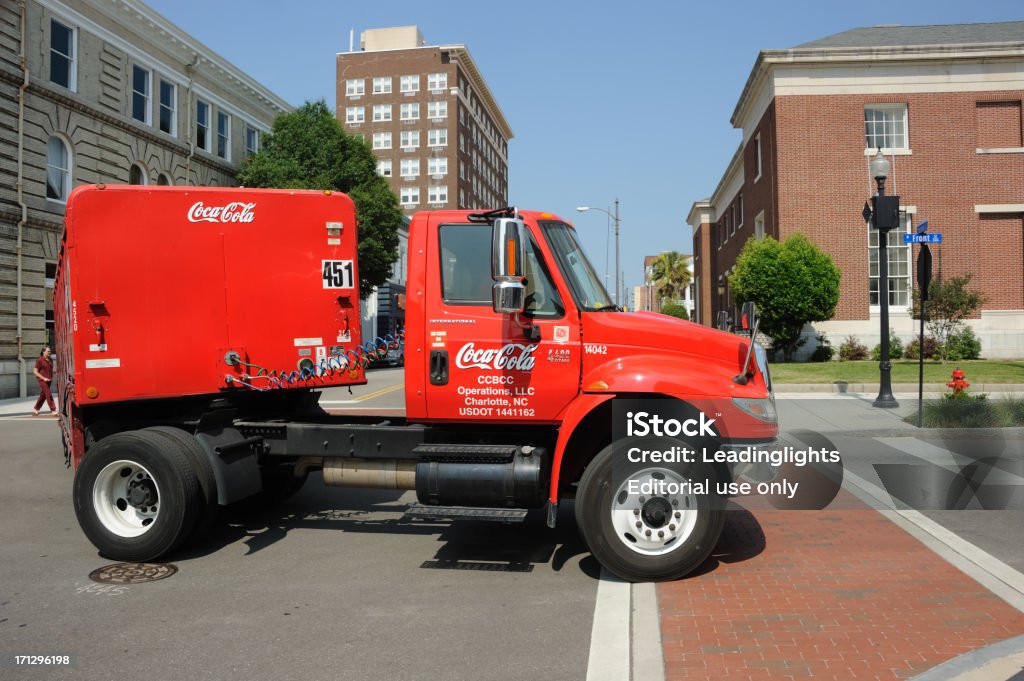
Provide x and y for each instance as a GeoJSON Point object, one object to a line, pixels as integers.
{"type": "Point", "coordinates": [196, 327]}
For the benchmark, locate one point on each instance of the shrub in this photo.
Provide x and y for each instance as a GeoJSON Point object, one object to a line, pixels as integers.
{"type": "Point", "coordinates": [963, 344]}
{"type": "Point", "coordinates": [673, 310]}
{"type": "Point", "coordinates": [932, 349]}
{"type": "Point", "coordinates": [852, 349]}
{"type": "Point", "coordinates": [824, 351]}
{"type": "Point", "coordinates": [961, 411]}
{"type": "Point", "coordinates": [895, 348]}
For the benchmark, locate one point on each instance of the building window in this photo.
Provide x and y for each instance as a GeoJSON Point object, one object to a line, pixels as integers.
{"type": "Point", "coordinates": [410, 196]}
{"type": "Point", "coordinates": [740, 210]}
{"type": "Point", "coordinates": [355, 87]}
{"type": "Point", "coordinates": [140, 94]}
{"type": "Point", "coordinates": [382, 140]}
{"type": "Point", "coordinates": [355, 114]}
{"type": "Point", "coordinates": [137, 175]}
{"type": "Point", "coordinates": [759, 226]}
{"type": "Point", "coordinates": [62, 55]}
{"type": "Point", "coordinates": [410, 84]}
{"type": "Point", "coordinates": [382, 85]}
{"type": "Point", "coordinates": [162, 180]}
{"type": "Point", "coordinates": [252, 140]}
{"type": "Point", "coordinates": [410, 112]}
{"type": "Point", "coordinates": [381, 112]}
{"type": "Point", "coordinates": [437, 138]}
{"type": "Point", "coordinates": [885, 126]}
{"type": "Point", "coordinates": [437, 110]}
{"type": "Point", "coordinates": [223, 136]}
{"type": "Point", "coordinates": [384, 167]}
{"type": "Point", "coordinates": [732, 219]}
{"type": "Point", "coordinates": [58, 169]}
{"type": "Point", "coordinates": [438, 194]}
{"type": "Point", "coordinates": [757, 157]}
{"type": "Point", "coordinates": [202, 125]}
{"type": "Point", "coordinates": [437, 166]}
{"type": "Point", "coordinates": [168, 108]}
{"type": "Point", "coordinates": [899, 264]}
{"type": "Point", "coordinates": [437, 81]}
{"type": "Point", "coordinates": [410, 139]}
{"type": "Point", "coordinates": [410, 167]}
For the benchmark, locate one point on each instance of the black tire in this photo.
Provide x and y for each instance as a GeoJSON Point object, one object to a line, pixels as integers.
{"type": "Point", "coordinates": [116, 483]}
{"type": "Point", "coordinates": [191, 448]}
{"type": "Point", "coordinates": [602, 510]}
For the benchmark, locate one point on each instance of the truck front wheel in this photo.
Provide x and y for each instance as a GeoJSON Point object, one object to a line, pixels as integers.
{"type": "Point", "coordinates": [136, 496]}
{"type": "Point", "coordinates": [646, 521]}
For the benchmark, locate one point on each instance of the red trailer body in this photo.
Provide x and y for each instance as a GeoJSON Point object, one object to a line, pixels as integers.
{"type": "Point", "coordinates": [160, 284]}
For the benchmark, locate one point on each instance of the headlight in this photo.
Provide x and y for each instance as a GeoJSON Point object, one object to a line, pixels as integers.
{"type": "Point", "coordinates": [761, 357]}
{"type": "Point", "coordinates": [762, 409]}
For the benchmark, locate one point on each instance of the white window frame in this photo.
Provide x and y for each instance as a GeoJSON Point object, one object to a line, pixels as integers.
{"type": "Point", "coordinates": [171, 108]}
{"type": "Point", "coordinates": [354, 115]}
{"type": "Point", "coordinates": [384, 167]}
{"type": "Point", "coordinates": [146, 96]}
{"type": "Point", "coordinates": [410, 167]}
{"type": "Point", "coordinates": [252, 140]}
{"type": "Point", "coordinates": [437, 166]}
{"type": "Point", "coordinates": [382, 140]}
{"type": "Point", "coordinates": [437, 110]}
{"type": "Point", "coordinates": [437, 194]}
{"type": "Point", "coordinates": [382, 85]}
{"type": "Point", "coordinates": [758, 159]}
{"type": "Point", "coordinates": [410, 112]}
{"type": "Point", "coordinates": [437, 81]}
{"type": "Point", "coordinates": [409, 196]}
{"type": "Point", "coordinates": [413, 137]}
{"type": "Point", "coordinates": [223, 137]}
{"type": "Point", "coordinates": [63, 171]}
{"type": "Point", "coordinates": [381, 113]}
{"type": "Point", "coordinates": [72, 58]}
{"type": "Point", "coordinates": [355, 87]}
{"type": "Point", "coordinates": [433, 138]}
{"type": "Point", "coordinates": [899, 119]}
{"type": "Point", "coordinates": [204, 123]}
{"type": "Point", "coordinates": [739, 210]}
{"type": "Point", "coordinates": [895, 243]}
{"type": "Point", "coordinates": [409, 83]}
{"type": "Point", "coordinates": [759, 225]}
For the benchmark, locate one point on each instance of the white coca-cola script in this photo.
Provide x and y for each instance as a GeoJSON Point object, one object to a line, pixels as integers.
{"type": "Point", "coordinates": [232, 212]}
{"type": "Point", "coordinates": [509, 357]}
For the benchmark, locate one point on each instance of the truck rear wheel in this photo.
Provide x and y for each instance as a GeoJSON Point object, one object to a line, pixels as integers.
{"type": "Point", "coordinates": [189, 446]}
{"type": "Point", "coordinates": [641, 535]}
{"type": "Point", "coordinates": [136, 496]}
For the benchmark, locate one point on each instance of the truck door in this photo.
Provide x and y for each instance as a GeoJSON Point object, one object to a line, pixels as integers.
{"type": "Point", "coordinates": [483, 365]}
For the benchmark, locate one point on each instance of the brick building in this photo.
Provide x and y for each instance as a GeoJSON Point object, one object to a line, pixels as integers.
{"type": "Point", "coordinates": [440, 137]}
{"type": "Point", "coordinates": [944, 104]}
{"type": "Point", "coordinates": [101, 91]}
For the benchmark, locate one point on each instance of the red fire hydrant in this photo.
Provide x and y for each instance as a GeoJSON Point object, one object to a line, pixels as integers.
{"type": "Point", "coordinates": [958, 384]}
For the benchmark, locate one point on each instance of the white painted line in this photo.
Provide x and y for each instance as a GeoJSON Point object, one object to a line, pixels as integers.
{"type": "Point", "coordinates": [609, 637]}
{"type": "Point", "coordinates": [648, 656]}
{"type": "Point", "coordinates": [979, 565]}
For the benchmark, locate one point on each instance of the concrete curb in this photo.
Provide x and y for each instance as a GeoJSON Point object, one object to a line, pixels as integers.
{"type": "Point", "coordinates": [842, 387]}
{"type": "Point", "coordinates": [997, 662]}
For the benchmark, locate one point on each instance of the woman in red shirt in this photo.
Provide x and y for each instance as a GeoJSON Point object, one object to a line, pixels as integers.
{"type": "Point", "coordinates": [44, 374]}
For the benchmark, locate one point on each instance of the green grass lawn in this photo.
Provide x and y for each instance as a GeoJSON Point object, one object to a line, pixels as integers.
{"type": "Point", "coordinates": [903, 371]}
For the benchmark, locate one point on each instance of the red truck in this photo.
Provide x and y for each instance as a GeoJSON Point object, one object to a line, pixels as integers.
{"type": "Point", "coordinates": [195, 327]}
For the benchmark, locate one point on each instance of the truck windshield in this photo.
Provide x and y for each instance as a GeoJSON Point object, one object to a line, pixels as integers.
{"type": "Point", "coordinates": [584, 283]}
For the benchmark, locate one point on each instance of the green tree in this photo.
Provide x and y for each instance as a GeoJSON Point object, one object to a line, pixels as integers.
{"type": "Point", "coordinates": [949, 303]}
{"type": "Point", "coordinates": [792, 283]}
{"type": "Point", "coordinates": [673, 310]}
{"type": "Point", "coordinates": [671, 275]}
{"type": "Point", "coordinates": [307, 149]}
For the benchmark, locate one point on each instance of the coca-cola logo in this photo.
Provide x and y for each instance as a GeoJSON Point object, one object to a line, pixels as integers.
{"type": "Point", "coordinates": [232, 212]}
{"type": "Point", "coordinates": [509, 357]}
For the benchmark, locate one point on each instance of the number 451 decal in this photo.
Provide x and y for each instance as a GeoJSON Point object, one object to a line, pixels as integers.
{"type": "Point", "coordinates": [337, 273]}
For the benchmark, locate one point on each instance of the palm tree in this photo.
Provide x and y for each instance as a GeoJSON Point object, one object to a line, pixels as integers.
{"type": "Point", "coordinates": [671, 275]}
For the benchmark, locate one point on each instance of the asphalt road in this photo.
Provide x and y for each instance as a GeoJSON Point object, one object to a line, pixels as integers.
{"type": "Point", "coordinates": [332, 584]}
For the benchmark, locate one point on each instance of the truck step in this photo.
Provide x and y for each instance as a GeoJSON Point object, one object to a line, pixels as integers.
{"type": "Point", "coordinates": [461, 452]}
{"type": "Point", "coordinates": [501, 515]}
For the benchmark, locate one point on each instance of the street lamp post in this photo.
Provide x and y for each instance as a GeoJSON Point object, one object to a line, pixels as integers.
{"type": "Point", "coordinates": [615, 217]}
{"type": "Point", "coordinates": [885, 212]}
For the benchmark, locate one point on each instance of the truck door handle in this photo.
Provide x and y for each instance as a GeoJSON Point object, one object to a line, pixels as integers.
{"type": "Point", "coordinates": [439, 367]}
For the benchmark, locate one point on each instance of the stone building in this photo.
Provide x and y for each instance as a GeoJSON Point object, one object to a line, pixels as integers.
{"type": "Point", "coordinates": [101, 91]}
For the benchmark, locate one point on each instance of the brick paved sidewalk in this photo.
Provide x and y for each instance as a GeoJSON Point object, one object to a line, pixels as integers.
{"type": "Point", "coordinates": [835, 594]}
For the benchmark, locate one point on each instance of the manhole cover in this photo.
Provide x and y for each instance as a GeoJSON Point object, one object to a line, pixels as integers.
{"type": "Point", "coordinates": [132, 573]}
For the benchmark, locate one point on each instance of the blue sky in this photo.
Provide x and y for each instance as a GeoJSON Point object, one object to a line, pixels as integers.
{"type": "Point", "coordinates": [631, 100]}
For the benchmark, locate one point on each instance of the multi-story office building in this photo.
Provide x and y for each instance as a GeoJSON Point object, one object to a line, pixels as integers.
{"type": "Point", "coordinates": [440, 137]}
{"type": "Point", "coordinates": [943, 103]}
{"type": "Point", "coordinates": [101, 91]}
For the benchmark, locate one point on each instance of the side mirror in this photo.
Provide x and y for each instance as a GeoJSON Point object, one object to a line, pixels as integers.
{"type": "Point", "coordinates": [749, 316]}
{"type": "Point", "coordinates": [508, 295]}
